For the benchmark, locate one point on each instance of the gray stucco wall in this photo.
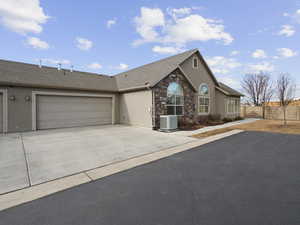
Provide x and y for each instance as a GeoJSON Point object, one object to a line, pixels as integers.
{"type": "Point", "coordinates": [20, 110]}
{"type": "Point", "coordinates": [220, 103]}
{"type": "Point", "coordinates": [198, 76]}
{"type": "Point", "coordinates": [136, 108]}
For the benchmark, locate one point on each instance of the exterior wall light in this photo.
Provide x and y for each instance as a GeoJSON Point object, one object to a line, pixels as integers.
{"type": "Point", "coordinates": [27, 98]}
{"type": "Point", "coordinates": [12, 98]}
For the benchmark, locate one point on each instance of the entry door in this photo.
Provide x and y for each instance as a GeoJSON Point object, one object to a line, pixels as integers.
{"type": "Point", "coordinates": [72, 111]}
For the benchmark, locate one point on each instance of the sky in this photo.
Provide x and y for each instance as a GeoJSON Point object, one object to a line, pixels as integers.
{"type": "Point", "coordinates": [107, 37]}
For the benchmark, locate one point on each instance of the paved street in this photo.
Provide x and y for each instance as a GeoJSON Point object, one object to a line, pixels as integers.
{"type": "Point", "coordinates": [249, 178]}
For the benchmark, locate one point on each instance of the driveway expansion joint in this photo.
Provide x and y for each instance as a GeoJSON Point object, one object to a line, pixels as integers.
{"type": "Point", "coordinates": [26, 161]}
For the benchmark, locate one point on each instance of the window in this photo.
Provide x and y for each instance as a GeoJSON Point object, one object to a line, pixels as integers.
{"type": "Point", "coordinates": [195, 62]}
{"type": "Point", "coordinates": [175, 99]}
{"type": "Point", "coordinates": [233, 105]}
{"type": "Point", "coordinates": [203, 99]}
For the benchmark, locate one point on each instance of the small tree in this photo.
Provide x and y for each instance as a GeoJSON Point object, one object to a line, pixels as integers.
{"type": "Point", "coordinates": [267, 93]}
{"type": "Point", "coordinates": [258, 88]}
{"type": "Point", "coordinates": [285, 92]}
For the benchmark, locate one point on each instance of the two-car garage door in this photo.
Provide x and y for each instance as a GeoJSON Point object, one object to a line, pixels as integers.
{"type": "Point", "coordinates": [56, 111]}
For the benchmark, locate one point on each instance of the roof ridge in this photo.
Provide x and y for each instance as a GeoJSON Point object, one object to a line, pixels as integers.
{"type": "Point", "coordinates": [54, 68]}
{"type": "Point", "coordinates": [163, 59]}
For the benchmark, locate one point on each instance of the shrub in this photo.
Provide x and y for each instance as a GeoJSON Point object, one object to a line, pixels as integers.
{"type": "Point", "coordinates": [227, 120]}
{"type": "Point", "coordinates": [203, 120]}
{"type": "Point", "coordinates": [214, 117]}
{"type": "Point", "coordinates": [238, 118]}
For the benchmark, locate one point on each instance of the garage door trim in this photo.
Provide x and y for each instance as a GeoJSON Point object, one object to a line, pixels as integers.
{"type": "Point", "coordinates": [5, 113]}
{"type": "Point", "coordinates": [36, 93]}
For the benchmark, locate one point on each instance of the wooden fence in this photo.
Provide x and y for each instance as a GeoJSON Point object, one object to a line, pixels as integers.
{"type": "Point", "coordinates": [272, 112]}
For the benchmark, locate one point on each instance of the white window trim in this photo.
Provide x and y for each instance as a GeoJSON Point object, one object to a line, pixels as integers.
{"type": "Point", "coordinates": [203, 96]}
{"type": "Point", "coordinates": [234, 108]}
{"type": "Point", "coordinates": [5, 110]}
{"type": "Point", "coordinates": [174, 105]}
{"type": "Point", "coordinates": [195, 67]}
{"type": "Point", "coordinates": [34, 106]}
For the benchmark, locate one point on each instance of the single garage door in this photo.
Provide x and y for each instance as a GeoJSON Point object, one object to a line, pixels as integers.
{"type": "Point", "coordinates": [72, 111]}
{"type": "Point", "coordinates": [1, 113]}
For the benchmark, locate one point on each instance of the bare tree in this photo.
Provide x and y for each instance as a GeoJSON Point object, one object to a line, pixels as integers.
{"type": "Point", "coordinates": [285, 92]}
{"type": "Point", "coordinates": [258, 88]}
{"type": "Point", "coordinates": [267, 92]}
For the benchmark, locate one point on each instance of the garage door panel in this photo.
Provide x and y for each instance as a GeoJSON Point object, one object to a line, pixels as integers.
{"type": "Point", "coordinates": [1, 113]}
{"type": "Point", "coordinates": [68, 111]}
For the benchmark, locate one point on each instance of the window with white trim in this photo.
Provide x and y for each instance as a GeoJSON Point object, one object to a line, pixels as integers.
{"type": "Point", "coordinates": [175, 99]}
{"type": "Point", "coordinates": [233, 105]}
{"type": "Point", "coordinates": [195, 62]}
{"type": "Point", "coordinates": [203, 99]}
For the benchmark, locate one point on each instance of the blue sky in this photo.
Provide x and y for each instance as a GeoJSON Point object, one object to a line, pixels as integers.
{"type": "Point", "coordinates": [235, 37]}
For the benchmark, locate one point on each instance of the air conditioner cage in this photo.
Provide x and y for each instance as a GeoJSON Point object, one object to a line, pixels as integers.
{"type": "Point", "coordinates": [168, 123]}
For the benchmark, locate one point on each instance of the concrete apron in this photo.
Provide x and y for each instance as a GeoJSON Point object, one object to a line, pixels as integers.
{"type": "Point", "coordinates": [41, 190]}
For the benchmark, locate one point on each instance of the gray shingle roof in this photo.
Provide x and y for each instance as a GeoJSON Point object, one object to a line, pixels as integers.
{"type": "Point", "coordinates": [150, 74]}
{"type": "Point", "coordinates": [15, 73]}
{"type": "Point", "coordinates": [229, 90]}
{"type": "Point", "coordinates": [22, 74]}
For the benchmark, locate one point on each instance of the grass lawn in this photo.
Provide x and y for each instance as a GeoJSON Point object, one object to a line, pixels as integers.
{"type": "Point", "coordinates": [293, 127]}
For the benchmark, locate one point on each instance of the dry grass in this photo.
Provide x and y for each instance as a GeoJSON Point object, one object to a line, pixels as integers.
{"type": "Point", "coordinates": [293, 127]}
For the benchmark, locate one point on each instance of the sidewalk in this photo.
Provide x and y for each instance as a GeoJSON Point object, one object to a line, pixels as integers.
{"type": "Point", "coordinates": [210, 128]}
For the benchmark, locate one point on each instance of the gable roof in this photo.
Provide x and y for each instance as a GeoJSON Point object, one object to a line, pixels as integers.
{"type": "Point", "coordinates": [150, 74]}
{"type": "Point", "coordinates": [29, 75]}
{"type": "Point", "coordinates": [22, 74]}
{"type": "Point", "coordinates": [228, 90]}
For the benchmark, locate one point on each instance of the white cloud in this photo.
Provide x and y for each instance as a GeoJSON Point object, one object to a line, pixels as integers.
{"type": "Point", "coordinates": [294, 16]}
{"type": "Point", "coordinates": [83, 43]}
{"type": "Point", "coordinates": [22, 16]}
{"type": "Point", "coordinates": [95, 66]}
{"type": "Point", "coordinates": [175, 13]}
{"type": "Point", "coordinates": [153, 27]}
{"type": "Point", "coordinates": [111, 22]}
{"type": "Point", "coordinates": [259, 54]}
{"type": "Point", "coordinates": [231, 82]}
{"type": "Point", "coordinates": [233, 53]}
{"type": "Point", "coordinates": [121, 66]}
{"type": "Point", "coordinates": [286, 52]}
{"type": "Point", "coordinates": [196, 28]}
{"type": "Point", "coordinates": [166, 50]}
{"type": "Point", "coordinates": [222, 65]}
{"type": "Point", "coordinates": [261, 67]}
{"type": "Point", "coordinates": [56, 61]}
{"type": "Point", "coordinates": [147, 23]}
{"type": "Point", "coordinates": [287, 30]}
{"type": "Point", "coordinates": [37, 43]}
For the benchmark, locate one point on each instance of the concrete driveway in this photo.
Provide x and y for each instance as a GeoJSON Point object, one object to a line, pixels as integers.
{"type": "Point", "coordinates": [251, 178]}
{"type": "Point", "coordinates": [57, 153]}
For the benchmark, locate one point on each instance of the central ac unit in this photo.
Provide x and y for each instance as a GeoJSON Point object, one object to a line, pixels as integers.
{"type": "Point", "coordinates": [168, 123]}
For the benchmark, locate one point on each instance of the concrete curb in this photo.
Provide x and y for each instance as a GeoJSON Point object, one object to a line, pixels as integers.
{"type": "Point", "coordinates": [38, 191]}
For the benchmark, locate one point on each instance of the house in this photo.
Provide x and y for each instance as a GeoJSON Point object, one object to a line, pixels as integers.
{"type": "Point", "coordinates": [38, 97]}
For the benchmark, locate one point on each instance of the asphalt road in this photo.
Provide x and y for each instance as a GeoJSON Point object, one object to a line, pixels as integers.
{"type": "Point", "coordinates": [247, 179]}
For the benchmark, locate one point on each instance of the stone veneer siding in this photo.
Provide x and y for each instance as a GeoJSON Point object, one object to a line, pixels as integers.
{"type": "Point", "coordinates": [160, 97]}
